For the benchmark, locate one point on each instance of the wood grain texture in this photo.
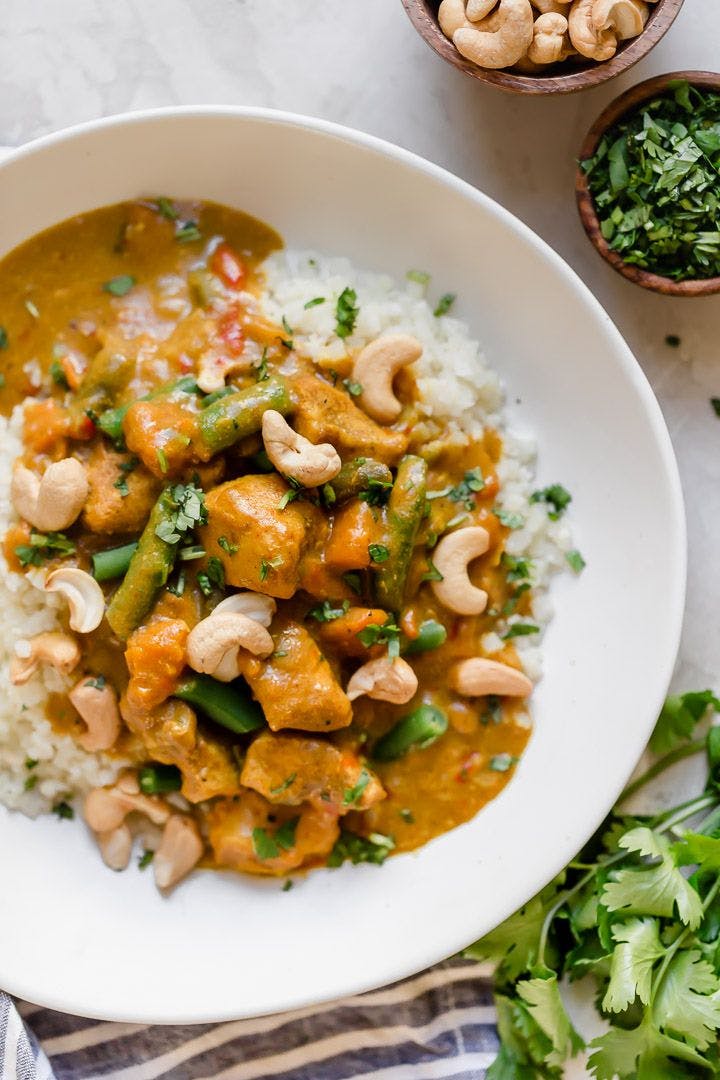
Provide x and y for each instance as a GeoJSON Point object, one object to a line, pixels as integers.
{"type": "Point", "coordinates": [564, 78]}
{"type": "Point", "coordinates": [633, 97]}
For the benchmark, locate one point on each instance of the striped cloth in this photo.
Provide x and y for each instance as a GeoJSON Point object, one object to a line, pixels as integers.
{"type": "Point", "coordinates": [434, 1026]}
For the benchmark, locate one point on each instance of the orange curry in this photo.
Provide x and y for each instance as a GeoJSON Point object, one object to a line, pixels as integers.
{"type": "Point", "coordinates": [284, 654]}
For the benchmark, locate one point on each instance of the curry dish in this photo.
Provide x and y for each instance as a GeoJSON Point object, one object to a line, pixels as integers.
{"type": "Point", "coordinates": [274, 586]}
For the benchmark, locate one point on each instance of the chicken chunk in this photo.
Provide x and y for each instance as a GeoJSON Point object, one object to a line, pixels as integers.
{"type": "Point", "coordinates": [250, 834]}
{"type": "Point", "coordinates": [325, 414]}
{"type": "Point", "coordinates": [122, 492]}
{"type": "Point", "coordinates": [162, 434]}
{"type": "Point", "coordinates": [172, 736]}
{"type": "Point", "coordinates": [291, 769]}
{"type": "Point", "coordinates": [263, 544]}
{"type": "Point", "coordinates": [296, 686]}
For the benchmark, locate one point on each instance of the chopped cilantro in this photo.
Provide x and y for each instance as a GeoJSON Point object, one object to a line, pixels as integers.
{"type": "Point", "coordinates": [264, 845]}
{"type": "Point", "coordinates": [465, 491]}
{"type": "Point", "coordinates": [376, 493]}
{"type": "Point", "coordinates": [162, 460]}
{"type": "Point", "coordinates": [287, 341]}
{"type": "Point", "coordinates": [166, 209]}
{"type": "Point", "coordinates": [502, 762]}
{"type": "Point", "coordinates": [43, 546]}
{"type": "Point", "coordinates": [187, 232]}
{"type": "Point", "coordinates": [261, 369]}
{"type": "Point", "coordinates": [287, 782]}
{"type": "Point", "coordinates": [325, 612]}
{"type": "Point", "coordinates": [352, 795]}
{"type": "Point", "coordinates": [226, 546]}
{"type": "Point", "coordinates": [314, 302]}
{"type": "Point", "coordinates": [420, 277]}
{"type": "Point", "coordinates": [510, 521]}
{"type": "Point", "coordinates": [353, 581]}
{"type": "Point", "coordinates": [213, 577]}
{"type": "Point", "coordinates": [58, 376]}
{"type": "Point", "coordinates": [555, 496]}
{"type": "Point", "coordinates": [30, 783]}
{"type": "Point", "coordinates": [374, 848]}
{"type": "Point", "coordinates": [126, 467]}
{"type": "Point", "coordinates": [266, 565]}
{"type": "Point", "coordinates": [518, 569]}
{"type": "Point", "coordinates": [63, 810]}
{"type": "Point", "coordinates": [287, 885]}
{"type": "Point", "coordinates": [4, 340]}
{"type": "Point", "coordinates": [575, 560]}
{"type": "Point", "coordinates": [493, 710]}
{"type": "Point", "coordinates": [145, 859]}
{"type": "Point", "coordinates": [285, 835]}
{"type": "Point", "coordinates": [520, 629]}
{"type": "Point", "coordinates": [407, 816]}
{"type": "Point", "coordinates": [386, 634]}
{"type": "Point", "coordinates": [290, 495]}
{"type": "Point", "coordinates": [120, 285]}
{"type": "Point", "coordinates": [432, 573]}
{"type": "Point", "coordinates": [178, 587]}
{"type": "Point", "coordinates": [444, 304]}
{"type": "Point", "coordinates": [346, 313]}
{"type": "Point", "coordinates": [353, 388]}
{"type": "Point", "coordinates": [378, 553]}
{"type": "Point", "coordinates": [31, 763]}
{"type": "Point", "coordinates": [189, 511]}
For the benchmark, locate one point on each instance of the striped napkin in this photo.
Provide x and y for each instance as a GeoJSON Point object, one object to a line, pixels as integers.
{"type": "Point", "coordinates": [434, 1026]}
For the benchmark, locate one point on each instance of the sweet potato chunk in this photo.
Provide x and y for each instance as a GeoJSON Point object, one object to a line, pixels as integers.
{"type": "Point", "coordinates": [263, 545]}
{"type": "Point", "coordinates": [251, 834]}
{"type": "Point", "coordinates": [117, 509]}
{"type": "Point", "coordinates": [172, 736]}
{"type": "Point", "coordinates": [296, 685]}
{"type": "Point", "coordinates": [155, 657]}
{"type": "Point", "coordinates": [325, 414]}
{"type": "Point", "coordinates": [354, 529]}
{"type": "Point", "coordinates": [341, 634]}
{"type": "Point", "coordinates": [292, 769]}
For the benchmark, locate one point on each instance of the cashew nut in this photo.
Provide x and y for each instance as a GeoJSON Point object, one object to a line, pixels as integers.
{"type": "Point", "coordinates": [115, 847]}
{"type": "Point", "coordinates": [377, 365]}
{"type": "Point", "coordinates": [106, 808]}
{"type": "Point", "coordinates": [550, 42]}
{"type": "Point", "coordinates": [255, 605]}
{"type": "Point", "coordinates": [454, 553]}
{"type": "Point", "coordinates": [585, 36]}
{"type": "Point", "coordinates": [213, 369]}
{"type": "Point", "coordinates": [213, 646]}
{"type": "Point", "coordinates": [479, 9]}
{"type": "Point", "coordinates": [477, 677]}
{"type": "Point", "coordinates": [384, 679]}
{"type": "Point", "coordinates": [295, 456]}
{"type": "Point", "coordinates": [53, 501]}
{"type": "Point", "coordinates": [560, 7]}
{"type": "Point", "coordinates": [83, 594]}
{"type": "Point", "coordinates": [626, 18]}
{"type": "Point", "coordinates": [179, 850]}
{"type": "Point", "coordinates": [98, 707]}
{"type": "Point", "coordinates": [59, 650]}
{"type": "Point", "coordinates": [451, 17]}
{"type": "Point", "coordinates": [506, 45]}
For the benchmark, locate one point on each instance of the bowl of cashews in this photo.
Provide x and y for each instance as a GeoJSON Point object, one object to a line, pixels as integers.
{"type": "Point", "coordinates": [542, 46]}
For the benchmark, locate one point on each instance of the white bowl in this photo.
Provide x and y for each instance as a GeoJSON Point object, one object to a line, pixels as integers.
{"type": "Point", "coordinates": [73, 935]}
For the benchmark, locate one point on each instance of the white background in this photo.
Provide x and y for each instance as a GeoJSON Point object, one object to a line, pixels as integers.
{"type": "Point", "coordinates": [361, 63]}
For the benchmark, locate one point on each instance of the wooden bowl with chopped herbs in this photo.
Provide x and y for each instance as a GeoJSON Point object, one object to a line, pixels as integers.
{"type": "Point", "coordinates": [648, 184]}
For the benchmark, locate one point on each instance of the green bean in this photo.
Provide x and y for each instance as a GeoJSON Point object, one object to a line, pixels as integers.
{"type": "Point", "coordinates": [418, 729]}
{"type": "Point", "coordinates": [114, 562]}
{"type": "Point", "coordinates": [159, 779]}
{"type": "Point", "coordinates": [105, 377]}
{"type": "Point", "coordinates": [149, 569]}
{"type": "Point", "coordinates": [431, 635]}
{"type": "Point", "coordinates": [111, 421]}
{"type": "Point", "coordinates": [228, 704]}
{"type": "Point", "coordinates": [217, 394]}
{"type": "Point", "coordinates": [240, 414]}
{"type": "Point", "coordinates": [361, 475]}
{"type": "Point", "coordinates": [404, 515]}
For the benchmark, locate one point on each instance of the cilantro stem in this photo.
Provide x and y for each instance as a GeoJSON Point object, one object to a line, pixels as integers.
{"type": "Point", "coordinates": [678, 754]}
{"type": "Point", "coordinates": [673, 948]}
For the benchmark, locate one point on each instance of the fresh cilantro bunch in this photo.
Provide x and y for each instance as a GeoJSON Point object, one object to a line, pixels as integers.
{"type": "Point", "coordinates": [655, 179]}
{"type": "Point", "coordinates": [639, 911]}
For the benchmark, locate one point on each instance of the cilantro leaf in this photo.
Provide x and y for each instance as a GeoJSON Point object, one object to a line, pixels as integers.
{"type": "Point", "coordinates": [678, 719]}
{"type": "Point", "coordinates": [555, 496]}
{"type": "Point", "coordinates": [374, 848]}
{"type": "Point", "coordinates": [346, 312]}
{"type": "Point", "coordinates": [683, 1004]}
{"type": "Point", "coordinates": [513, 944]}
{"type": "Point", "coordinates": [120, 285]}
{"type": "Point", "coordinates": [542, 996]}
{"type": "Point", "coordinates": [653, 888]}
{"type": "Point", "coordinates": [642, 1053]}
{"type": "Point", "coordinates": [638, 948]}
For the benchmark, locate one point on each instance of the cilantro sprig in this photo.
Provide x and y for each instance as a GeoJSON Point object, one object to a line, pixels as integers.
{"type": "Point", "coordinates": [655, 180]}
{"type": "Point", "coordinates": [638, 910]}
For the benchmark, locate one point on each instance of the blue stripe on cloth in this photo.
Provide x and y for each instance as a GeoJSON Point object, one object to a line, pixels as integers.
{"type": "Point", "coordinates": [20, 1056]}
{"type": "Point", "coordinates": [434, 1026]}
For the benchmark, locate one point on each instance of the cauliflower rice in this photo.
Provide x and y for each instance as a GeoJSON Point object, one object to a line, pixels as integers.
{"type": "Point", "coordinates": [460, 393]}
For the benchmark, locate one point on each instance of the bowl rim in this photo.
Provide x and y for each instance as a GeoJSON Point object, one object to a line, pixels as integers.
{"type": "Point", "coordinates": [630, 99]}
{"type": "Point", "coordinates": [661, 19]}
{"type": "Point", "coordinates": [436, 947]}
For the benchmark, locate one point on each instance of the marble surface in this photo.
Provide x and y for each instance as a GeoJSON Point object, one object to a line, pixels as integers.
{"type": "Point", "coordinates": [359, 62]}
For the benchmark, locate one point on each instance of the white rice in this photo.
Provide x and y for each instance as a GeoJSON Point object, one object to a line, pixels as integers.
{"type": "Point", "coordinates": [459, 392]}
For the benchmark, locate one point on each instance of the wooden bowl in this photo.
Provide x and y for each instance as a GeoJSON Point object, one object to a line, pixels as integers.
{"type": "Point", "coordinates": [564, 78]}
{"type": "Point", "coordinates": [633, 97]}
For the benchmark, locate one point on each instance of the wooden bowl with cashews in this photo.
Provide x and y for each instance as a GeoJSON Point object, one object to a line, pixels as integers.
{"type": "Point", "coordinates": [542, 46]}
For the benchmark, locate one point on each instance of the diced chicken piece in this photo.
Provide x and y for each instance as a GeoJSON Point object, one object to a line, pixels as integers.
{"type": "Point", "coordinates": [252, 835]}
{"type": "Point", "coordinates": [325, 414]}
{"type": "Point", "coordinates": [263, 545]}
{"type": "Point", "coordinates": [292, 769]}
{"type": "Point", "coordinates": [296, 686]}
{"type": "Point", "coordinates": [155, 657]}
{"type": "Point", "coordinates": [172, 736]}
{"type": "Point", "coordinates": [121, 496]}
{"type": "Point", "coordinates": [162, 434]}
